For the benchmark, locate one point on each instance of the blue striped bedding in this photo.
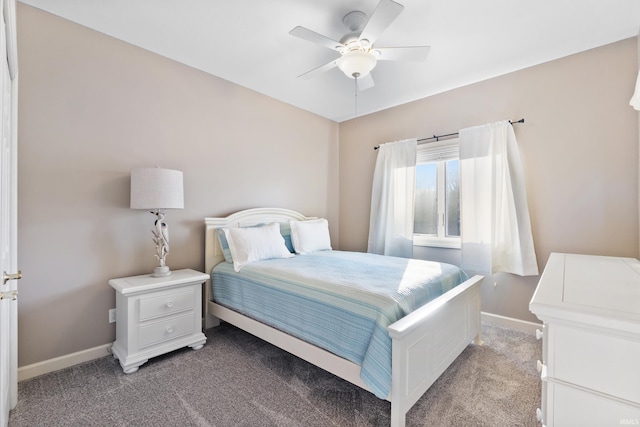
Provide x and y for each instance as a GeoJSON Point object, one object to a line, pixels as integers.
{"type": "Point", "coordinates": [340, 301]}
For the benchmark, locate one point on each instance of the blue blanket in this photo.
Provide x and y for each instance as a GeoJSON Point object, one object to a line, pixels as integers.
{"type": "Point", "coordinates": [340, 301]}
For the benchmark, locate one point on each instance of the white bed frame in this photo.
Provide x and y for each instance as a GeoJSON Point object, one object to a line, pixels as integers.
{"type": "Point", "coordinates": [425, 342]}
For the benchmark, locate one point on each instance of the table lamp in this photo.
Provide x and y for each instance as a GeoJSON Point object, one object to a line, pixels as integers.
{"type": "Point", "coordinates": [155, 190]}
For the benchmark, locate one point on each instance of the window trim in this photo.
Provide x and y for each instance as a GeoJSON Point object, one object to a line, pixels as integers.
{"type": "Point", "coordinates": [436, 242]}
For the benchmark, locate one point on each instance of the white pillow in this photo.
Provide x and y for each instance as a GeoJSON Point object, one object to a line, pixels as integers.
{"type": "Point", "coordinates": [310, 236]}
{"type": "Point", "coordinates": [255, 244]}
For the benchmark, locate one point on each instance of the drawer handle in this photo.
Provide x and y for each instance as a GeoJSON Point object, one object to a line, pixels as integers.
{"type": "Point", "coordinates": [169, 303]}
{"type": "Point", "coordinates": [539, 334]}
{"type": "Point", "coordinates": [539, 366]}
{"type": "Point", "coordinates": [169, 329]}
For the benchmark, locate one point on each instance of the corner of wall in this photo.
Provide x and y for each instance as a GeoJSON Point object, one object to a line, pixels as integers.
{"type": "Point", "coordinates": [638, 48]}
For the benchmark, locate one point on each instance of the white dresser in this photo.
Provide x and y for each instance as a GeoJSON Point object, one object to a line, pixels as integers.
{"type": "Point", "coordinates": [590, 307]}
{"type": "Point", "coordinates": [156, 315]}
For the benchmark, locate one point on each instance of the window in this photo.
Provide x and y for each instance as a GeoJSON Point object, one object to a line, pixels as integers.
{"type": "Point", "coordinates": [437, 195]}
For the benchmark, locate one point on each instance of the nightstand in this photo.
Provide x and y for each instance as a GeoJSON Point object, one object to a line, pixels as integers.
{"type": "Point", "coordinates": [156, 315]}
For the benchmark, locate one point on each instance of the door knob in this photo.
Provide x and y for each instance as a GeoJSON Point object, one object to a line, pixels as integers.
{"type": "Point", "coordinates": [6, 277]}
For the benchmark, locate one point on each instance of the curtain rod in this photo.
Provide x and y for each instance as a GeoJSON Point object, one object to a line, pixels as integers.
{"type": "Point", "coordinates": [437, 137]}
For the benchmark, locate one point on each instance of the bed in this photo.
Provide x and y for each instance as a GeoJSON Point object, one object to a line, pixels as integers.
{"type": "Point", "coordinates": [422, 343]}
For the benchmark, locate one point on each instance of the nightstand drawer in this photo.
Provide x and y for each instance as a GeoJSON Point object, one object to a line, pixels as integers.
{"type": "Point", "coordinates": [165, 303]}
{"type": "Point", "coordinates": [166, 330]}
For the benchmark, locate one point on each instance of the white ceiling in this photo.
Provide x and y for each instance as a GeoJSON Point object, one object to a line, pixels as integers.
{"type": "Point", "coordinates": [247, 41]}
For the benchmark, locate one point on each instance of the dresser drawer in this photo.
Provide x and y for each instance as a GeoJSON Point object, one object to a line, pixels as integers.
{"type": "Point", "coordinates": [166, 303]}
{"type": "Point", "coordinates": [166, 330]}
{"type": "Point", "coordinates": [570, 406]}
{"type": "Point", "coordinates": [595, 360]}
{"type": "Point", "coordinates": [542, 411]}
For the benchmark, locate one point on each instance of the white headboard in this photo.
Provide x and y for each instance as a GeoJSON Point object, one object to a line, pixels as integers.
{"type": "Point", "coordinates": [213, 252]}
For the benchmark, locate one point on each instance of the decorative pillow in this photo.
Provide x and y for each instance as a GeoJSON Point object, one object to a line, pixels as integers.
{"type": "Point", "coordinates": [255, 244]}
{"type": "Point", "coordinates": [310, 236]}
{"type": "Point", "coordinates": [285, 231]}
{"type": "Point", "coordinates": [224, 245]}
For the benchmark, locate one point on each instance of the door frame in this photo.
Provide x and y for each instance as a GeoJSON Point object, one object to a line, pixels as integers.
{"type": "Point", "coordinates": [8, 193]}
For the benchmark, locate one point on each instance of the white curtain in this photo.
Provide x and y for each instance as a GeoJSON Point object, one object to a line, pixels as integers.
{"type": "Point", "coordinates": [635, 99]}
{"type": "Point", "coordinates": [496, 229]}
{"type": "Point", "coordinates": [391, 219]}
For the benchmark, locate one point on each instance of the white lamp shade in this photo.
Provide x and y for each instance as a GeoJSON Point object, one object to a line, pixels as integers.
{"type": "Point", "coordinates": [155, 188]}
{"type": "Point", "coordinates": [356, 63]}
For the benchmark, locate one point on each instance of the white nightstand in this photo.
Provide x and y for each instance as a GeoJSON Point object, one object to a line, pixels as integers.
{"type": "Point", "coordinates": [155, 315]}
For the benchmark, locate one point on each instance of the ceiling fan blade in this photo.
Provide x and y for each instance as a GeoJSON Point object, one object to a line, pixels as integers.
{"type": "Point", "coordinates": [319, 70]}
{"type": "Point", "coordinates": [313, 37]}
{"type": "Point", "coordinates": [384, 14]}
{"type": "Point", "coordinates": [365, 82]}
{"type": "Point", "coordinates": [408, 53]}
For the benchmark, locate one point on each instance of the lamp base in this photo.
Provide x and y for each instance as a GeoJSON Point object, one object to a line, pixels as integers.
{"type": "Point", "coordinates": [161, 272]}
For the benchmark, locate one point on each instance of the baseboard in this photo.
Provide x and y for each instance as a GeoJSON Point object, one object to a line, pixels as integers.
{"type": "Point", "coordinates": [57, 363]}
{"type": "Point", "coordinates": [510, 322]}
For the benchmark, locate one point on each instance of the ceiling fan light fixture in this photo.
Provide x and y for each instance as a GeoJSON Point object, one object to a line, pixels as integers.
{"type": "Point", "coordinates": [356, 63]}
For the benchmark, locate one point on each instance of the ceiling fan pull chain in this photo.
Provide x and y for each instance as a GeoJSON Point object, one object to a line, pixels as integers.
{"type": "Point", "coordinates": [355, 78]}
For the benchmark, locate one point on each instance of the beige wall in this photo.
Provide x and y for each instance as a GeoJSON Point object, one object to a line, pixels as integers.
{"type": "Point", "coordinates": [579, 147]}
{"type": "Point", "coordinates": [91, 108]}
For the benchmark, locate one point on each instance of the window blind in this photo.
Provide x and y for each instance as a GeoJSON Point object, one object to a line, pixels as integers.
{"type": "Point", "coordinates": [437, 151]}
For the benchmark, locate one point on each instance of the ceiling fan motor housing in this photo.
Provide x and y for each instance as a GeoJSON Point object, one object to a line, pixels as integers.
{"type": "Point", "coordinates": [354, 21]}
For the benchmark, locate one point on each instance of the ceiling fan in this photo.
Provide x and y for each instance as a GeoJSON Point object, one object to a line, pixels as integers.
{"type": "Point", "coordinates": [358, 55]}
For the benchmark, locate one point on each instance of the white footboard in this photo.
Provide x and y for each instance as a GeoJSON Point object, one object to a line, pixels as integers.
{"type": "Point", "coordinates": [428, 340]}
{"type": "Point", "coordinates": [424, 343]}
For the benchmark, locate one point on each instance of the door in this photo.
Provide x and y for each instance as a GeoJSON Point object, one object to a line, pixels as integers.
{"type": "Point", "coordinates": [8, 211]}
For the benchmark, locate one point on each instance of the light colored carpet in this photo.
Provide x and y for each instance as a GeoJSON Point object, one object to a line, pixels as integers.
{"type": "Point", "coordinates": [239, 380]}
